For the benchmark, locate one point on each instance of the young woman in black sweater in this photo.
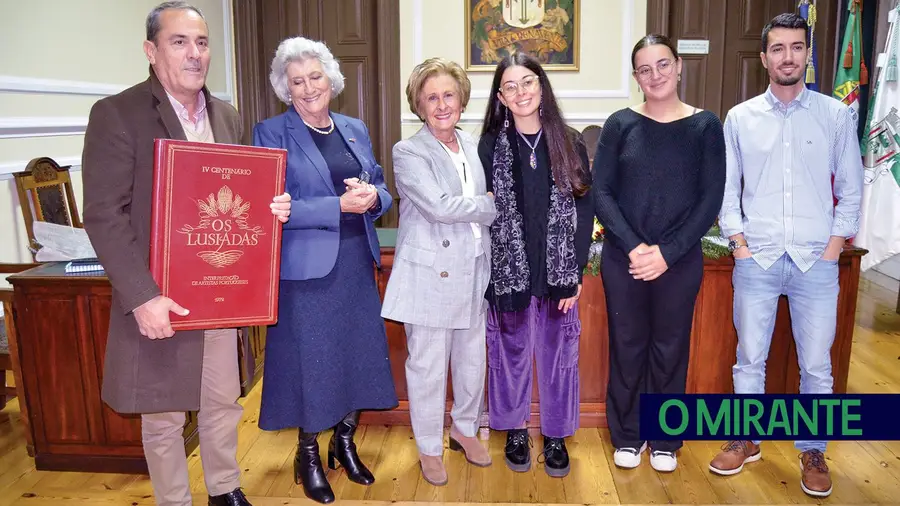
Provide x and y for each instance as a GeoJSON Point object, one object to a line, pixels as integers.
{"type": "Point", "coordinates": [537, 168]}
{"type": "Point", "coordinates": [659, 179]}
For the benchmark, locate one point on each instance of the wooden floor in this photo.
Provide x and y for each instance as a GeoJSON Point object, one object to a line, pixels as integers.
{"type": "Point", "coordinates": [863, 472]}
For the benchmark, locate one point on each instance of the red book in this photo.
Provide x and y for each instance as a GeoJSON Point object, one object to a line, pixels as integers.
{"type": "Point", "coordinates": [215, 245]}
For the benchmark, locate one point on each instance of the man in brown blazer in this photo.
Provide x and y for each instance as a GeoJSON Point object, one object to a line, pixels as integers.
{"type": "Point", "coordinates": [148, 369]}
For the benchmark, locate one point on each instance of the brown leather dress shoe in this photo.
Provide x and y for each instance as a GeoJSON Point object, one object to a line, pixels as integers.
{"type": "Point", "coordinates": [433, 470]}
{"type": "Point", "coordinates": [475, 453]}
{"type": "Point", "coordinates": [733, 456]}
{"type": "Point", "coordinates": [815, 479]}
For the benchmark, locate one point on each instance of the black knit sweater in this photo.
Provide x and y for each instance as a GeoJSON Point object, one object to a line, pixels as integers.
{"type": "Point", "coordinates": [659, 183]}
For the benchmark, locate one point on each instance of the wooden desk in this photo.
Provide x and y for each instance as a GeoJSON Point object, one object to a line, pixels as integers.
{"type": "Point", "coordinates": [713, 343]}
{"type": "Point", "coordinates": [62, 323]}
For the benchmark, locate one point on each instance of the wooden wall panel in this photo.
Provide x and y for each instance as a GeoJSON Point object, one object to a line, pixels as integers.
{"type": "Point", "coordinates": [750, 77]}
{"type": "Point", "coordinates": [693, 16]}
{"type": "Point", "coordinates": [754, 15]}
{"type": "Point", "coordinates": [693, 88]}
{"type": "Point", "coordinates": [351, 25]}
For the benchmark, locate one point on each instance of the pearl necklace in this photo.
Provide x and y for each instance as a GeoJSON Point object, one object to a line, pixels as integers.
{"type": "Point", "coordinates": [323, 132]}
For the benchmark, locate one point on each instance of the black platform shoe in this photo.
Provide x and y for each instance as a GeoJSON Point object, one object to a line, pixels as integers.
{"type": "Point", "coordinates": [556, 457]}
{"type": "Point", "coordinates": [234, 498]}
{"type": "Point", "coordinates": [308, 469]}
{"type": "Point", "coordinates": [343, 449]}
{"type": "Point", "coordinates": [518, 452]}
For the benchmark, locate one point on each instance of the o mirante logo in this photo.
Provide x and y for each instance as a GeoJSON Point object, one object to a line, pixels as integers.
{"type": "Point", "coordinates": [770, 417]}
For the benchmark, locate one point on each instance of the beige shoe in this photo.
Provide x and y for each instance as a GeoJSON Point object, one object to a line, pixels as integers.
{"type": "Point", "coordinates": [733, 456]}
{"type": "Point", "coordinates": [475, 453]}
{"type": "Point", "coordinates": [815, 479]}
{"type": "Point", "coordinates": [433, 470]}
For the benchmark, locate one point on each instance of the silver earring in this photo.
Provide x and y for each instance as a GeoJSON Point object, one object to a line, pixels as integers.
{"type": "Point", "coordinates": [679, 78]}
{"type": "Point", "coordinates": [541, 110]}
{"type": "Point", "coordinates": [506, 120]}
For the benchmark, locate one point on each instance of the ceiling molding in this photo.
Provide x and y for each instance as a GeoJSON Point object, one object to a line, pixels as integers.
{"type": "Point", "coordinates": [38, 126]}
{"type": "Point", "coordinates": [20, 84]}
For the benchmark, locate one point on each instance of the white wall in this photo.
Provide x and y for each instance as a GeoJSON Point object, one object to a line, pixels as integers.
{"type": "Point", "coordinates": [58, 57]}
{"type": "Point", "coordinates": [602, 85]}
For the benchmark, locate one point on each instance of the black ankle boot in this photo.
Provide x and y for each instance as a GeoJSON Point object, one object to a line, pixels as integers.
{"type": "Point", "coordinates": [308, 469]}
{"type": "Point", "coordinates": [343, 449]}
{"type": "Point", "coordinates": [518, 453]}
{"type": "Point", "coordinates": [556, 457]}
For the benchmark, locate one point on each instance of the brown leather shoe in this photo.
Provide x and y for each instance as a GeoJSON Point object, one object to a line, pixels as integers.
{"type": "Point", "coordinates": [433, 470]}
{"type": "Point", "coordinates": [815, 478]}
{"type": "Point", "coordinates": [733, 456]}
{"type": "Point", "coordinates": [475, 453]}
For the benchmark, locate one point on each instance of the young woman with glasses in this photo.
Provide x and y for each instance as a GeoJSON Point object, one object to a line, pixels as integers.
{"type": "Point", "coordinates": [659, 179]}
{"type": "Point", "coordinates": [537, 168]}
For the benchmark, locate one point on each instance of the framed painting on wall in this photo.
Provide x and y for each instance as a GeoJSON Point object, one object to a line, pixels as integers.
{"type": "Point", "coordinates": [546, 29]}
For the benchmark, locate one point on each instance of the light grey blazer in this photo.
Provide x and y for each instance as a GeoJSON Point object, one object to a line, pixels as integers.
{"type": "Point", "coordinates": [434, 282]}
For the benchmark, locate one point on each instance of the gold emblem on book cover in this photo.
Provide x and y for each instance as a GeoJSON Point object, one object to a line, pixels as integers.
{"type": "Point", "coordinates": [223, 224]}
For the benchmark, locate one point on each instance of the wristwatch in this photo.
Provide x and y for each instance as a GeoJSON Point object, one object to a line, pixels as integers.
{"type": "Point", "coordinates": [733, 245]}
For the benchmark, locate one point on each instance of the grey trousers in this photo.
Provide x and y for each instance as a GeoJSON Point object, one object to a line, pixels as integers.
{"type": "Point", "coordinates": [217, 420]}
{"type": "Point", "coordinates": [430, 350]}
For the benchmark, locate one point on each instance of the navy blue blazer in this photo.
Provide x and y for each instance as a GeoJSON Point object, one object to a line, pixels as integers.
{"type": "Point", "coordinates": [311, 236]}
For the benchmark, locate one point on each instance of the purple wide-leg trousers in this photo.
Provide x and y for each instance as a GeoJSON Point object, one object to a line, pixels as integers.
{"type": "Point", "coordinates": [543, 335]}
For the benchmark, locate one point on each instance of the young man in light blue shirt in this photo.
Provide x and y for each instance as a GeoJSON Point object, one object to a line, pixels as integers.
{"type": "Point", "coordinates": [786, 233]}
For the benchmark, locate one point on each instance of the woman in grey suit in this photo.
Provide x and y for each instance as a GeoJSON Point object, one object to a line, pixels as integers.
{"type": "Point", "coordinates": [441, 266]}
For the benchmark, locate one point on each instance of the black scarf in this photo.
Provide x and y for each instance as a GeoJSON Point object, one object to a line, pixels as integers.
{"type": "Point", "coordinates": [510, 273]}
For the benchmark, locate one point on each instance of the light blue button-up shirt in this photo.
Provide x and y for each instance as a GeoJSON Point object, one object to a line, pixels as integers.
{"type": "Point", "coordinates": [780, 159]}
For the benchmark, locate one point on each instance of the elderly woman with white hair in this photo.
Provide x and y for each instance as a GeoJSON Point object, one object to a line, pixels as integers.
{"type": "Point", "coordinates": [327, 357]}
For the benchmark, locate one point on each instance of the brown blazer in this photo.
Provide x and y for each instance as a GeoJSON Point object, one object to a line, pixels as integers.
{"type": "Point", "coordinates": [140, 375]}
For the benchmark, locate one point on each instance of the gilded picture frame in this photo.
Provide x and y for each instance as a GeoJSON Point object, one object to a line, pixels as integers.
{"type": "Point", "coordinates": [546, 29]}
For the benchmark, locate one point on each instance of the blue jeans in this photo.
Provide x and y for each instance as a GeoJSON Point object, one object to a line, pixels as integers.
{"type": "Point", "coordinates": [812, 298]}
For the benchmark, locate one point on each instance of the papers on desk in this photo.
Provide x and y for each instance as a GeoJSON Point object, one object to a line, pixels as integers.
{"type": "Point", "coordinates": [61, 243]}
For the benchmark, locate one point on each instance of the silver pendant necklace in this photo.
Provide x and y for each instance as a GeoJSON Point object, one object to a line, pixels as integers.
{"type": "Point", "coordinates": [532, 160]}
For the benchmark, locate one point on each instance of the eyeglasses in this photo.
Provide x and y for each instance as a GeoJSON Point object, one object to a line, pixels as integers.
{"type": "Point", "coordinates": [664, 68]}
{"type": "Point", "coordinates": [526, 84]}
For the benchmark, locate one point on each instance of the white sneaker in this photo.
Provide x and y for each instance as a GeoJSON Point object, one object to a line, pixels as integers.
{"type": "Point", "coordinates": [629, 458]}
{"type": "Point", "coordinates": [663, 462]}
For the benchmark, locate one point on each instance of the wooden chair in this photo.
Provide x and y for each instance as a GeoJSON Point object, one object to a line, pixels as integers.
{"type": "Point", "coordinates": [45, 194]}
{"type": "Point", "coordinates": [591, 134]}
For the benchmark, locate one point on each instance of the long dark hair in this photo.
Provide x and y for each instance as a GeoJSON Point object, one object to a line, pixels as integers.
{"type": "Point", "coordinates": [564, 160]}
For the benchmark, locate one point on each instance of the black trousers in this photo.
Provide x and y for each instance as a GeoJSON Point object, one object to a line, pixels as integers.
{"type": "Point", "coordinates": [649, 338]}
